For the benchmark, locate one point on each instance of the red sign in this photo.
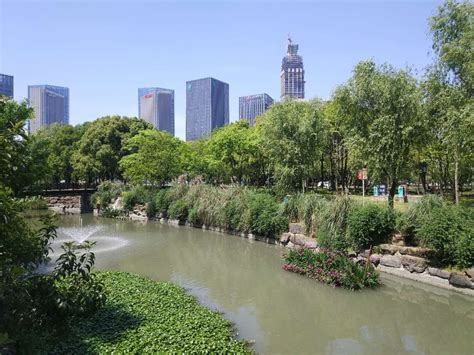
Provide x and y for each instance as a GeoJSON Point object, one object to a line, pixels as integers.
{"type": "Point", "coordinates": [362, 174]}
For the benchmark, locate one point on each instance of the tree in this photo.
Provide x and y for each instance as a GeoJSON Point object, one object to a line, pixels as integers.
{"type": "Point", "coordinates": [292, 140]}
{"type": "Point", "coordinates": [449, 88]}
{"type": "Point", "coordinates": [102, 146]}
{"type": "Point", "coordinates": [156, 158]}
{"type": "Point", "coordinates": [383, 106]}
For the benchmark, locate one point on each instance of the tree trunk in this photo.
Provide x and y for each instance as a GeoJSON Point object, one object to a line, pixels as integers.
{"type": "Point", "coordinates": [456, 177]}
{"type": "Point", "coordinates": [391, 195]}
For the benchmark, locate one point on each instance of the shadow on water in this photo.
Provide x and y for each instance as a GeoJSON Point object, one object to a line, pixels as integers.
{"type": "Point", "coordinates": [107, 326]}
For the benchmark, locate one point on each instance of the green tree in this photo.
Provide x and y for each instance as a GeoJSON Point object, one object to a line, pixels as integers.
{"type": "Point", "coordinates": [385, 116]}
{"type": "Point", "coordinates": [449, 89]}
{"type": "Point", "coordinates": [156, 158]}
{"type": "Point", "coordinates": [102, 146]}
{"type": "Point", "coordinates": [292, 140]}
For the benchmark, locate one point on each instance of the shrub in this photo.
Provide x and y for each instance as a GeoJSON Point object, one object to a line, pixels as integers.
{"type": "Point", "coordinates": [106, 193]}
{"type": "Point", "coordinates": [138, 195]}
{"type": "Point", "coordinates": [33, 203]}
{"type": "Point", "coordinates": [265, 219]}
{"type": "Point", "coordinates": [449, 230]}
{"type": "Point", "coordinates": [234, 212]}
{"type": "Point", "coordinates": [178, 210]}
{"type": "Point", "coordinates": [332, 233]}
{"type": "Point", "coordinates": [369, 225]}
{"type": "Point", "coordinates": [307, 208]}
{"type": "Point", "coordinates": [162, 201]}
{"type": "Point", "coordinates": [193, 217]}
{"type": "Point", "coordinates": [331, 268]}
{"type": "Point", "coordinates": [110, 213]}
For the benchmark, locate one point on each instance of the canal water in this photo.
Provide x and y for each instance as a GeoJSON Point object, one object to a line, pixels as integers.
{"type": "Point", "coordinates": [282, 312]}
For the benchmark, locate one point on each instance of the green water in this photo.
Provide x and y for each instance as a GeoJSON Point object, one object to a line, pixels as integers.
{"type": "Point", "coordinates": [280, 311]}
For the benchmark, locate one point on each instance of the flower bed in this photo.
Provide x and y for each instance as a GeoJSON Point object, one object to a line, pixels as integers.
{"type": "Point", "coordinates": [331, 268]}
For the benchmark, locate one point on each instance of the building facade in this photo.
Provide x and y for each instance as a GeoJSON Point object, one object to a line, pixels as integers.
{"type": "Point", "coordinates": [253, 106]}
{"type": "Point", "coordinates": [156, 106]}
{"type": "Point", "coordinates": [50, 105]}
{"type": "Point", "coordinates": [292, 73]}
{"type": "Point", "coordinates": [6, 85]}
{"type": "Point", "coordinates": [207, 106]}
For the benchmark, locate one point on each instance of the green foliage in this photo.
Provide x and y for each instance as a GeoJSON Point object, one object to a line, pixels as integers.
{"type": "Point", "coordinates": [156, 158]}
{"type": "Point", "coordinates": [78, 292]}
{"type": "Point", "coordinates": [162, 201]}
{"type": "Point", "coordinates": [291, 138]}
{"type": "Point", "coordinates": [107, 192]}
{"type": "Point", "coordinates": [32, 203]}
{"type": "Point", "coordinates": [369, 225]}
{"type": "Point", "coordinates": [145, 316]}
{"type": "Point", "coordinates": [178, 210]}
{"type": "Point", "coordinates": [333, 232]}
{"type": "Point", "coordinates": [264, 216]}
{"type": "Point", "coordinates": [307, 208]}
{"type": "Point", "coordinates": [137, 195]}
{"type": "Point", "coordinates": [331, 268]}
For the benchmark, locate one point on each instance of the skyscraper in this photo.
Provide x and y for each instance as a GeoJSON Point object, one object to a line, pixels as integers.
{"type": "Point", "coordinates": [156, 106]}
{"type": "Point", "coordinates": [253, 106]}
{"type": "Point", "coordinates": [292, 73]}
{"type": "Point", "coordinates": [6, 85]}
{"type": "Point", "coordinates": [50, 104]}
{"type": "Point", "coordinates": [207, 106]}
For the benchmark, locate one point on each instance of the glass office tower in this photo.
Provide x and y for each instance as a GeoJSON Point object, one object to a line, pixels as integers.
{"type": "Point", "coordinates": [6, 85]}
{"type": "Point", "coordinates": [50, 105]}
{"type": "Point", "coordinates": [207, 106]}
{"type": "Point", "coordinates": [253, 106]}
{"type": "Point", "coordinates": [156, 106]}
{"type": "Point", "coordinates": [292, 73]}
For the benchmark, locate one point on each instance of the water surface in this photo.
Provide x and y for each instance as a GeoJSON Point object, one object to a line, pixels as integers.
{"type": "Point", "coordinates": [281, 311]}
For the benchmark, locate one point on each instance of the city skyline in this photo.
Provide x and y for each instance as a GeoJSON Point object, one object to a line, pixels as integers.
{"type": "Point", "coordinates": [252, 106]}
{"type": "Point", "coordinates": [156, 106]}
{"type": "Point", "coordinates": [200, 40]}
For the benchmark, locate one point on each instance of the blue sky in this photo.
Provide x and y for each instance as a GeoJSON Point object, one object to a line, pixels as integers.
{"type": "Point", "coordinates": [104, 50]}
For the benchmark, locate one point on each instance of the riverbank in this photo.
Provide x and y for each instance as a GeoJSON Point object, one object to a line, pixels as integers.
{"type": "Point", "coordinates": [146, 316]}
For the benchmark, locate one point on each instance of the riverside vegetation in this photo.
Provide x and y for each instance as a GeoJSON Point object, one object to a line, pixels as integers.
{"type": "Point", "coordinates": [403, 130]}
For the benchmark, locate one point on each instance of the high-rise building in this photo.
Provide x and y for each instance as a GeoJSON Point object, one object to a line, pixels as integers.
{"type": "Point", "coordinates": [50, 105]}
{"type": "Point", "coordinates": [292, 73]}
{"type": "Point", "coordinates": [207, 106]}
{"type": "Point", "coordinates": [6, 85]}
{"type": "Point", "coordinates": [156, 106]}
{"type": "Point", "coordinates": [253, 106]}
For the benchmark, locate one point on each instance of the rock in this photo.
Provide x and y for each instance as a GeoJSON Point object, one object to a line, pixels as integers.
{"type": "Point", "coordinates": [285, 238]}
{"type": "Point", "coordinates": [414, 263]}
{"type": "Point", "coordinates": [439, 273]}
{"type": "Point", "coordinates": [302, 240]}
{"type": "Point", "coordinates": [296, 228]}
{"type": "Point", "coordinates": [416, 251]}
{"type": "Point", "coordinates": [365, 253]}
{"type": "Point", "coordinates": [389, 248]}
{"type": "Point", "coordinates": [391, 261]}
{"type": "Point", "coordinates": [460, 280]}
{"type": "Point", "coordinates": [375, 259]}
{"type": "Point", "coordinates": [290, 245]}
{"type": "Point", "coordinates": [398, 239]}
{"type": "Point", "coordinates": [470, 273]}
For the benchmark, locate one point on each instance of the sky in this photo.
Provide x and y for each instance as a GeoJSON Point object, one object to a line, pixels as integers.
{"type": "Point", "coordinates": [105, 50]}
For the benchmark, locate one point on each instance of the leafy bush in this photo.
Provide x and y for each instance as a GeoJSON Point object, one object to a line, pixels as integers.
{"type": "Point", "coordinates": [162, 201]}
{"type": "Point", "coordinates": [193, 216]}
{"type": "Point", "coordinates": [32, 203]}
{"type": "Point", "coordinates": [138, 195]}
{"type": "Point", "coordinates": [146, 316]}
{"type": "Point", "coordinates": [106, 193]}
{"type": "Point", "coordinates": [369, 225]}
{"type": "Point", "coordinates": [110, 213]}
{"type": "Point", "coordinates": [332, 233]}
{"type": "Point", "coordinates": [331, 268]}
{"type": "Point", "coordinates": [265, 219]}
{"type": "Point", "coordinates": [449, 230]}
{"type": "Point", "coordinates": [178, 210]}
{"type": "Point", "coordinates": [307, 208]}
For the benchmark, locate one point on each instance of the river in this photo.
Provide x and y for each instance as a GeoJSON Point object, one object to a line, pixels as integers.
{"type": "Point", "coordinates": [282, 312]}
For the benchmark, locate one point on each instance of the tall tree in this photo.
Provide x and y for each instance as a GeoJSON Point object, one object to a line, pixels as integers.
{"type": "Point", "coordinates": [156, 158]}
{"type": "Point", "coordinates": [385, 118]}
{"type": "Point", "coordinates": [292, 134]}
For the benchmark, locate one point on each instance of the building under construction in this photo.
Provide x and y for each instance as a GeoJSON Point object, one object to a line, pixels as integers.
{"type": "Point", "coordinates": [292, 73]}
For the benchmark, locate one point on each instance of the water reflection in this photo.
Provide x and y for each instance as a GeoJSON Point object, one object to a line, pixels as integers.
{"type": "Point", "coordinates": [287, 313]}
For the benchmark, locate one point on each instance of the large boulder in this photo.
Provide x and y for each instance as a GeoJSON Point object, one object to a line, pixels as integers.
{"type": "Point", "coordinates": [398, 239]}
{"type": "Point", "coordinates": [389, 248]}
{"type": "Point", "coordinates": [433, 271]}
{"type": "Point", "coordinates": [304, 241]}
{"type": "Point", "coordinates": [414, 263]}
{"type": "Point", "coordinates": [470, 272]}
{"type": "Point", "coordinates": [375, 259]}
{"type": "Point", "coordinates": [391, 261]}
{"type": "Point", "coordinates": [460, 280]}
{"type": "Point", "coordinates": [296, 228]}
{"type": "Point", "coordinates": [417, 251]}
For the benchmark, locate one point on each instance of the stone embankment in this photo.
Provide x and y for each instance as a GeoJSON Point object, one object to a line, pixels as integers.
{"type": "Point", "coordinates": [64, 204]}
{"type": "Point", "coordinates": [397, 259]}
